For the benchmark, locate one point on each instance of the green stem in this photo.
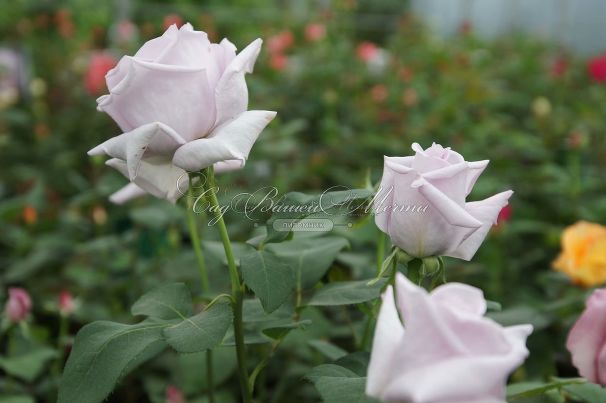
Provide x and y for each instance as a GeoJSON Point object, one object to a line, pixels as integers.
{"type": "Point", "coordinates": [63, 328]}
{"type": "Point", "coordinates": [236, 287]}
{"type": "Point", "coordinates": [197, 245]}
{"type": "Point", "coordinates": [195, 238]}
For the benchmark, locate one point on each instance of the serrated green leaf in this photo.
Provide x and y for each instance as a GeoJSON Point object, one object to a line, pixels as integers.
{"type": "Point", "coordinates": [171, 301]}
{"type": "Point", "coordinates": [309, 257]}
{"type": "Point", "coordinates": [271, 280]}
{"type": "Point", "coordinates": [202, 331]}
{"type": "Point", "coordinates": [103, 353]}
{"type": "Point", "coordinates": [346, 293]}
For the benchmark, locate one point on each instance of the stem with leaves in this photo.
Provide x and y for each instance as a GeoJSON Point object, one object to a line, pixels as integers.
{"type": "Point", "coordinates": [197, 245]}
{"type": "Point", "coordinates": [236, 285]}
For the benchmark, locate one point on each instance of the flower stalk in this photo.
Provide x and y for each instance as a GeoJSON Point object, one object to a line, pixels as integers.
{"type": "Point", "coordinates": [236, 285]}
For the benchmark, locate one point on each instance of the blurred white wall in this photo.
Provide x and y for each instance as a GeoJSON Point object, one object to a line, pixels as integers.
{"type": "Point", "coordinates": [580, 25]}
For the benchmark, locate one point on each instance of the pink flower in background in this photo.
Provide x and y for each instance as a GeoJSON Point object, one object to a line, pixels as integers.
{"type": "Point", "coordinates": [94, 79]}
{"type": "Point", "coordinates": [366, 51]}
{"type": "Point", "coordinates": [597, 68]}
{"type": "Point", "coordinates": [315, 32]}
{"type": "Point", "coordinates": [182, 103]}
{"type": "Point", "coordinates": [19, 304]}
{"type": "Point", "coordinates": [421, 203]}
{"type": "Point", "coordinates": [587, 339]}
{"type": "Point", "coordinates": [126, 31]}
{"type": "Point", "coordinates": [379, 93]}
{"type": "Point", "coordinates": [172, 19]}
{"type": "Point", "coordinates": [280, 42]}
{"type": "Point", "coordinates": [278, 61]}
{"type": "Point", "coordinates": [66, 303]}
{"type": "Point", "coordinates": [443, 349]}
{"type": "Point", "coordinates": [174, 395]}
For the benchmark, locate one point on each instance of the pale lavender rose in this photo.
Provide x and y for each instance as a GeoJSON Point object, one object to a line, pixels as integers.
{"type": "Point", "coordinates": [182, 103]}
{"type": "Point", "coordinates": [445, 350]}
{"type": "Point", "coordinates": [587, 339]}
{"type": "Point", "coordinates": [19, 304]}
{"type": "Point", "coordinates": [421, 203]}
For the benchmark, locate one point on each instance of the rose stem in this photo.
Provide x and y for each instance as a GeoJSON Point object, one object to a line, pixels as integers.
{"type": "Point", "coordinates": [236, 287]}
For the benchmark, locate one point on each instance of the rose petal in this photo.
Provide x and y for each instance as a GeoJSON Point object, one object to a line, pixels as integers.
{"type": "Point", "coordinates": [383, 202]}
{"type": "Point", "coordinates": [451, 211]}
{"type": "Point", "coordinates": [465, 379]}
{"type": "Point", "coordinates": [586, 338]}
{"type": "Point", "coordinates": [153, 49]}
{"type": "Point", "coordinates": [388, 336]}
{"type": "Point", "coordinates": [180, 98]}
{"type": "Point", "coordinates": [487, 212]}
{"type": "Point", "coordinates": [231, 141]}
{"type": "Point", "coordinates": [231, 93]}
{"type": "Point", "coordinates": [223, 54]}
{"type": "Point", "coordinates": [153, 138]}
{"type": "Point", "coordinates": [461, 298]}
{"type": "Point", "coordinates": [127, 193]}
{"type": "Point", "coordinates": [423, 326]}
{"type": "Point", "coordinates": [157, 176]}
{"type": "Point", "coordinates": [475, 170]}
{"type": "Point", "coordinates": [192, 49]}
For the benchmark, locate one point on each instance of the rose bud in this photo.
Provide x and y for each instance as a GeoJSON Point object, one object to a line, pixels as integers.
{"type": "Point", "coordinates": [421, 203]}
{"type": "Point", "coordinates": [19, 304]}
{"type": "Point", "coordinates": [182, 103]}
{"type": "Point", "coordinates": [442, 349]}
{"type": "Point", "coordinates": [66, 303]}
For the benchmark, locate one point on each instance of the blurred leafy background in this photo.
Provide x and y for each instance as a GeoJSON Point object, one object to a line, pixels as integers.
{"type": "Point", "coordinates": [351, 81]}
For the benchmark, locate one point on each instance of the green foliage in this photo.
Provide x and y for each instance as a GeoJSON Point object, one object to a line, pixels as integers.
{"type": "Point", "coordinates": [104, 352]}
{"type": "Point", "coordinates": [346, 293]}
{"type": "Point", "coordinates": [270, 279]}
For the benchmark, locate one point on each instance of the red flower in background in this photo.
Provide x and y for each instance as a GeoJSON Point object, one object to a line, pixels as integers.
{"type": "Point", "coordinates": [19, 304]}
{"type": "Point", "coordinates": [171, 19]}
{"type": "Point", "coordinates": [280, 42]}
{"type": "Point", "coordinates": [597, 68]}
{"type": "Point", "coordinates": [174, 395]}
{"type": "Point", "coordinates": [504, 215]}
{"type": "Point", "coordinates": [366, 51]}
{"type": "Point", "coordinates": [94, 79]}
{"type": "Point", "coordinates": [315, 31]}
{"type": "Point", "coordinates": [278, 61]}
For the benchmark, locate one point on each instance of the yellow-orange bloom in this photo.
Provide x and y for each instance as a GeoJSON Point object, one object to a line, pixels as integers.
{"type": "Point", "coordinates": [583, 256]}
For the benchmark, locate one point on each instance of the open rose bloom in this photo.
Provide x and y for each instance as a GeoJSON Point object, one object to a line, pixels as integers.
{"type": "Point", "coordinates": [421, 203]}
{"type": "Point", "coordinates": [438, 347]}
{"type": "Point", "coordinates": [182, 103]}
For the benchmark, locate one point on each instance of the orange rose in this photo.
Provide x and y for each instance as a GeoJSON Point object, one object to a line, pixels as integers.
{"type": "Point", "coordinates": [583, 256]}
